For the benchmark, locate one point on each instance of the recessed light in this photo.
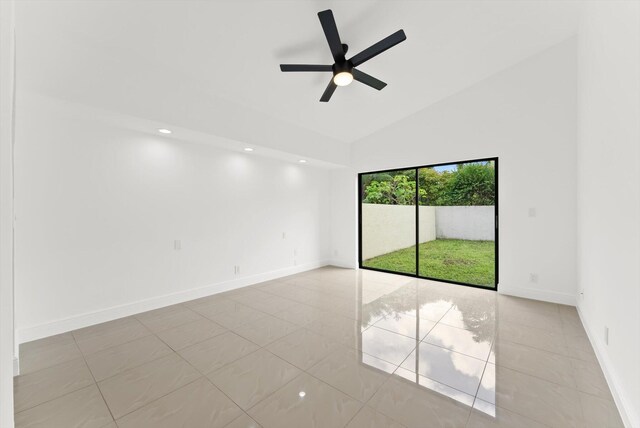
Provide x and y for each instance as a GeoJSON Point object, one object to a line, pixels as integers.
{"type": "Point", "coordinates": [302, 161]}
{"type": "Point", "coordinates": [164, 131]}
{"type": "Point", "coordinates": [248, 149]}
{"type": "Point", "coordinates": [302, 394]}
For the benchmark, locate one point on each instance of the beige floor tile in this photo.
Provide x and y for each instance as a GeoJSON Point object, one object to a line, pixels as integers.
{"type": "Point", "coordinates": [432, 385]}
{"type": "Point", "coordinates": [386, 345]}
{"type": "Point", "coordinates": [345, 370]}
{"type": "Point", "coordinates": [36, 356]}
{"type": "Point", "coordinates": [105, 327]}
{"type": "Point", "coordinates": [579, 347]}
{"type": "Point", "coordinates": [474, 316]}
{"type": "Point", "coordinates": [82, 408]}
{"type": "Point", "coordinates": [166, 318]}
{"type": "Point", "coordinates": [265, 330]}
{"type": "Point", "coordinates": [198, 404]}
{"type": "Point", "coordinates": [106, 338]}
{"type": "Point", "coordinates": [302, 348]}
{"type": "Point", "coordinates": [487, 388]}
{"type": "Point", "coordinates": [212, 307]}
{"type": "Point", "coordinates": [252, 378]}
{"type": "Point", "coordinates": [40, 344]}
{"type": "Point", "coordinates": [530, 319]}
{"type": "Point", "coordinates": [417, 407]}
{"type": "Point", "coordinates": [589, 378]}
{"type": "Point", "coordinates": [552, 341]}
{"type": "Point", "coordinates": [300, 314]}
{"type": "Point", "coordinates": [406, 325]}
{"type": "Point", "coordinates": [250, 296]}
{"type": "Point", "coordinates": [599, 413]}
{"type": "Point", "coordinates": [456, 370]}
{"type": "Point", "coordinates": [217, 352]}
{"type": "Point", "coordinates": [535, 362]}
{"type": "Point", "coordinates": [123, 357]}
{"type": "Point", "coordinates": [190, 333]}
{"type": "Point", "coordinates": [369, 418]}
{"type": "Point", "coordinates": [239, 315]}
{"type": "Point", "coordinates": [337, 328]}
{"type": "Point", "coordinates": [130, 390]}
{"type": "Point", "coordinates": [44, 385]}
{"type": "Point", "coordinates": [464, 341]}
{"type": "Point", "coordinates": [244, 421]}
{"type": "Point", "coordinates": [272, 304]}
{"type": "Point", "coordinates": [350, 330]}
{"type": "Point", "coordinates": [305, 402]}
{"type": "Point", "coordinates": [203, 300]}
{"type": "Point", "coordinates": [512, 304]}
{"type": "Point", "coordinates": [546, 402]}
{"type": "Point", "coordinates": [486, 415]}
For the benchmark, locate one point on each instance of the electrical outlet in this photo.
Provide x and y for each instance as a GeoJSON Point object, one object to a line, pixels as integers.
{"type": "Point", "coordinates": [295, 251]}
{"type": "Point", "coordinates": [533, 277]}
{"type": "Point", "coordinates": [335, 252]}
{"type": "Point", "coordinates": [532, 212]}
{"type": "Point", "coordinates": [606, 335]}
{"type": "Point", "coordinates": [284, 235]}
{"type": "Point", "coordinates": [177, 244]}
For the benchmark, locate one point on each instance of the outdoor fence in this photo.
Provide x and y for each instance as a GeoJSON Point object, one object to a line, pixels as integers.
{"type": "Point", "coordinates": [387, 228]}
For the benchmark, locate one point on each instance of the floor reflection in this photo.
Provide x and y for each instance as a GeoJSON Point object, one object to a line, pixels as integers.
{"type": "Point", "coordinates": [431, 337]}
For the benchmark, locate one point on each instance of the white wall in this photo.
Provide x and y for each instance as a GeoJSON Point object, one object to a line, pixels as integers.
{"type": "Point", "coordinates": [525, 115]}
{"type": "Point", "coordinates": [609, 176]}
{"type": "Point", "coordinates": [7, 86]}
{"type": "Point", "coordinates": [387, 228]}
{"type": "Point", "coordinates": [475, 223]}
{"type": "Point", "coordinates": [99, 207]}
{"type": "Point", "coordinates": [344, 218]}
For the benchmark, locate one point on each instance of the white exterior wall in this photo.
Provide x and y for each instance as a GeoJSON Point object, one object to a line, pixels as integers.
{"type": "Point", "coordinates": [387, 228]}
{"type": "Point", "coordinates": [474, 223]}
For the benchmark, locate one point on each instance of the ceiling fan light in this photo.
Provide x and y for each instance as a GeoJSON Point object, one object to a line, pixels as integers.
{"type": "Point", "coordinates": [343, 78]}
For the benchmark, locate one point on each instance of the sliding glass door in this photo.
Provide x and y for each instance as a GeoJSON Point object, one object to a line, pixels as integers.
{"type": "Point", "coordinates": [436, 222]}
{"type": "Point", "coordinates": [388, 221]}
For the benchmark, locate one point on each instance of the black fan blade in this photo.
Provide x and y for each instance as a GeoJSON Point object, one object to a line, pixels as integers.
{"type": "Point", "coordinates": [331, 87]}
{"type": "Point", "coordinates": [305, 67]}
{"type": "Point", "coordinates": [331, 33]}
{"type": "Point", "coordinates": [378, 48]}
{"type": "Point", "coordinates": [367, 80]}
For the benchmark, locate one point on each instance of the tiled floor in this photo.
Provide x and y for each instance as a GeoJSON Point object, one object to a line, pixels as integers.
{"type": "Point", "coordinates": [327, 348]}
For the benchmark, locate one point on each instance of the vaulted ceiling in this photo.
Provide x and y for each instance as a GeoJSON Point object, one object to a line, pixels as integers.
{"type": "Point", "coordinates": [211, 67]}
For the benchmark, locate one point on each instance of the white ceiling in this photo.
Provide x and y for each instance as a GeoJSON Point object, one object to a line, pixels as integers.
{"type": "Point", "coordinates": [212, 66]}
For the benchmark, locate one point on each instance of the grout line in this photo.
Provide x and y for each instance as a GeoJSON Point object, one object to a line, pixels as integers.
{"type": "Point", "coordinates": [94, 381]}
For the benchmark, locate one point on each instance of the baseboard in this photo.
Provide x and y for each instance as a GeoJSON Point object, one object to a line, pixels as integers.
{"type": "Point", "coordinates": [85, 320]}
{"type": "Point", "coordinates": [16, 366]}
{"type": "Point", "coordinates": [348, 264]}
{"type": "Point", "coordinates": [532, 293]}
{"type": "Point", "coordinates": [627, 413]}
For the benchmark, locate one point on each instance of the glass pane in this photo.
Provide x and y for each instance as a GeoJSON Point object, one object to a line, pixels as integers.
{"type": "Point", "coordinates": [457, 222]}
{"type": "Point", "coordinates": [389, 221]}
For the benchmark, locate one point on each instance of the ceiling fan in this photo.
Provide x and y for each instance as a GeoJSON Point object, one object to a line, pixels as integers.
{"type": "Point", "coordinates": [344, 71]}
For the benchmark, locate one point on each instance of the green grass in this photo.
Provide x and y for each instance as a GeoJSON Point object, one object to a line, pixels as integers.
{"type": "Point", "coordinates": [471, 262]}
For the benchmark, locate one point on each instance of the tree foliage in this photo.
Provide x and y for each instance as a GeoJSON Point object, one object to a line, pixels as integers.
{"type": "Point", "coordinates": [469, 184]}
{"type": "Point", "coordinates": [400, 190]}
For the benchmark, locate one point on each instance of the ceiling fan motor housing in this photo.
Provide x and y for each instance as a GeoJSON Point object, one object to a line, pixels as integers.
{"type": "Point", "coordinates": [342, 67]}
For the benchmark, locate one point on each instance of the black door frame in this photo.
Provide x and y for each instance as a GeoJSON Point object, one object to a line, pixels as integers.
{"type": "Point", "coordinates": [417, 216]}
